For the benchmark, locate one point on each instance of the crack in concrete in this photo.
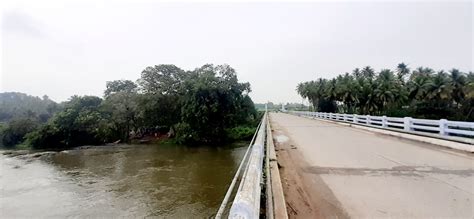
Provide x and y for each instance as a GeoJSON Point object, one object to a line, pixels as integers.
{"type": "Point", "coordinates": [396, 170]}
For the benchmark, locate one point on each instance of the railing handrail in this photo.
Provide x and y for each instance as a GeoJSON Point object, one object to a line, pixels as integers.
{"type": "Point", "coordinates": [444, 127]}
{"type": "Point", "coordinates": [228, 194]}
{"type": "Point", "coordinates": [246, 203]}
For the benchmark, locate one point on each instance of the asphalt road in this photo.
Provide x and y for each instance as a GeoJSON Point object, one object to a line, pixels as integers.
{"type": "Point", "coordinates": [374, 175]}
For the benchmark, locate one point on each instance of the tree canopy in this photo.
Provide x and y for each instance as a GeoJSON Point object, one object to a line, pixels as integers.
{"type": "Point", "coordinates": [204, 105]}
{"type": "Point", "coordinates": [421, 93]}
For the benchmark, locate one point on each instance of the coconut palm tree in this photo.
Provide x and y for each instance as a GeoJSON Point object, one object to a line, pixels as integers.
{"type": "Point", "coordinates": [458, 81]}
{"type": "Point", "coordinates": [357, 73]}
{"type": "Point", "coordinates": [402, 71]}
{"type": "Point", "coordinates": [423, 94]}
{"type": "Point", "coordinates": [469, 88]}
{"type": "Point", "coordinates": [418, 86]}
{"type": "Point", "coordinates": [387, 89]}
{"type": "Point", "coordinates": [368, 72]}
{"type": "Point", "coordinates": [440, 87]}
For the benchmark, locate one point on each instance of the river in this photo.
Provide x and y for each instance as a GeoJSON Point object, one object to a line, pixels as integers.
{"type": "Point", "coordinates": [118, 181]}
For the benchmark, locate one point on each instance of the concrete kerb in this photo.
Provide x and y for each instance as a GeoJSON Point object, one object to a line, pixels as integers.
{"type": "Point", "coordinates": [278, 198]}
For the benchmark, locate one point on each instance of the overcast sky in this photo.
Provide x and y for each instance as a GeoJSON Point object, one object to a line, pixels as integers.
{"type": "Point", "coordinates": [60, 49]}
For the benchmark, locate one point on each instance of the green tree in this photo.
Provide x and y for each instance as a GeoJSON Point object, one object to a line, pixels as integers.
{"type": "Point", "coordinates": [368, 72]}
{"type": "Point", "coordinates": [206, 105]}
{"type": "Point", "coordinates": [458, 81]}
{"type": "Point", "coordinates": [158, 110]}
{"type": "Point", "coordinates": [419, 93]}
{"type": "Point", "coordinates": [117, 86]}
{"type": "Point", "coordinates": [469, 88]}
{"type": "Point", "coordinates": [402, 72]}
{"type": "Point", "coordinates": [17, 129]}
{"type": "Point", "coordinates": [387, 88]}
{"type": "Point", "coordinates": [80, 123]}
{"type": "Point", "coordinates": [162, 79]}
{"type": "Point", "coordinates": [121, 110]}
{"type": "Point", "coordinates": [418, 86]}
{"type": "Point", "coordinates": [211, 104]}
{"type": "Point", "coordinates": [440, 89]}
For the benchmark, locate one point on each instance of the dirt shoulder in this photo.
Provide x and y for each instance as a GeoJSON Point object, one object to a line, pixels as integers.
{"type": "Point", "coordinates": [306, 196]}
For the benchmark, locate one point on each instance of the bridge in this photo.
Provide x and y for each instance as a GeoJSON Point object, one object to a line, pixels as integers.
{"type": "Point", "coordinates": [317, 165]}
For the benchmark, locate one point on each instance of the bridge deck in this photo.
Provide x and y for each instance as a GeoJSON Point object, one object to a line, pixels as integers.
{"type": "Point", "coordinates": [343, 171]}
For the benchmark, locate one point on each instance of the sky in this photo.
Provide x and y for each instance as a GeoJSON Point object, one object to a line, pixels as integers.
{"type": "Point", "coordinates": [62, 48]}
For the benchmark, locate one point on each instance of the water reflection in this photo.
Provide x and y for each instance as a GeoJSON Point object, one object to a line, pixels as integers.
{"type": "Point", "coordinates": [129, 181]}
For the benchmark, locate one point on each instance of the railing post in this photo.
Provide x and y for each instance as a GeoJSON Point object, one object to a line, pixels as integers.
{"type": "Point", "coordinates": [354, 118]}
{"type": "Point", "coordinates": [443, 124]}
{"type": "Point", "coordinates": [344, 117]}
{"type": "Point", "coordinates": [367, 121]}
{"type": "Point", "coordinates": [384, 121]}
{"type": "Point", "coordinates": [330, 116]}
{"type": "Point", "coordinates": [407, 124]}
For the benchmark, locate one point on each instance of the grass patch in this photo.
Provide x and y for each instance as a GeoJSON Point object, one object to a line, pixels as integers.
{"type": "Point", "coordinates": [241, 133]}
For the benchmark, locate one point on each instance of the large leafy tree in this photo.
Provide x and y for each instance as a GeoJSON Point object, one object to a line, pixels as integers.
{"type": "Point", "coordinates": [16, 130]}
{"type": "Point", "coordinates": [162, 79]}
{"type": "Point", "coordinates": [158, 111]}
{"type": "Point", "coordinates": [121, 109]}
{"type": "Point", "coordinates": [80, 123]}
{"type": "Point", "coordinates": [212, 101]}
{"type": "Point", "coordinates": [119, 86]}
{"type": "Point", "coordinates": [204, 105]}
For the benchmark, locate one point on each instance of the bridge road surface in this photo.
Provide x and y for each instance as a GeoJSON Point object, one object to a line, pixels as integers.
{"type": "Point", "coordinates": [368, 175]}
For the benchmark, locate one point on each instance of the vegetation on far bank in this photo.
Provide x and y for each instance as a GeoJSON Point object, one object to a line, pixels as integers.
{"type": "Point", "coordinates": [206, 105]}
{"type": "Point", "coordinates": [421, 93]}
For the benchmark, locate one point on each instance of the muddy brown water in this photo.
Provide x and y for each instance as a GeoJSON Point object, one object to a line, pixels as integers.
{"type": "Point", "coordinates": [118, 181]}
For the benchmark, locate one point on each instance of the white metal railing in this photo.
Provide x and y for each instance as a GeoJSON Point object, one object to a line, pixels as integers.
{"type": "Point", "coordinates": [246, 203]}
{"type": "Point", "coordinates": [441, 127]}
